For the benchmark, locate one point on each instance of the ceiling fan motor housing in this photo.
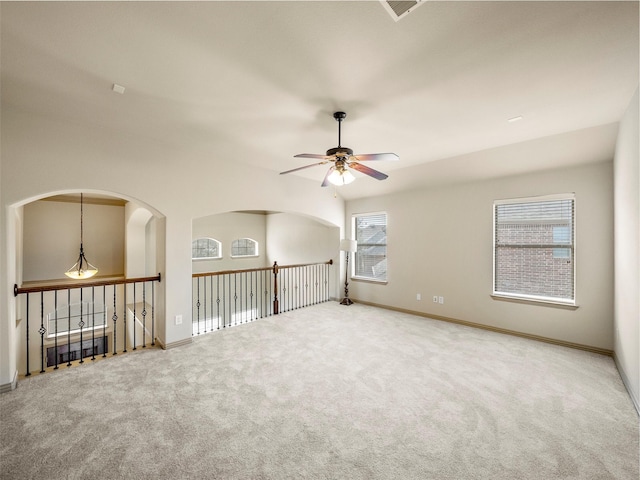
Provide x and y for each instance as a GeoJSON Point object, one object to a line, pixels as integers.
{"type": "Point", "coordinates": [339, 152]}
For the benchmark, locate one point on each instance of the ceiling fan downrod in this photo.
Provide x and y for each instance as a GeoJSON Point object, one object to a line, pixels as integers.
{"type": "Point", "coordinates": [340, 151]}
{"type": "Point", "coordinates": [339, 116]}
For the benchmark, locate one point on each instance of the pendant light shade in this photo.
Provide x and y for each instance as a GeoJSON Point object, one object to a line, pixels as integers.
{"type": "Point", "coordinates": [82, 268]}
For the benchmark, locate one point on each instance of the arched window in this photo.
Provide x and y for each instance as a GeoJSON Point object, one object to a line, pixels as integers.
{"type": "Point", "coordinates": [244, 247]}
{"type": "Point", "coordinates": [206, 248]}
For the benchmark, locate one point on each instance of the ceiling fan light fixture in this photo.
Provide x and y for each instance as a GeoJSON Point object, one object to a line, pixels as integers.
{"type": "Point", "coordinates": [341, 177]}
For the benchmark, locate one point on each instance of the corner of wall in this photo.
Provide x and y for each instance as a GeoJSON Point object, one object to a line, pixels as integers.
{"type": "Point", "coordinates": [627, 250]}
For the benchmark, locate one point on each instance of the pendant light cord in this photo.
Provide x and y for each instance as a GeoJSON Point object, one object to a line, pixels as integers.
{"type": "Point", "coordinates": [81, 215]}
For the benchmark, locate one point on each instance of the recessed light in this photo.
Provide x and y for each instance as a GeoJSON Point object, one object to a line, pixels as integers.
{"type": "Point", "coordinates": [515, 119]}
{"type": "Point", "coordinates": [117, 88]}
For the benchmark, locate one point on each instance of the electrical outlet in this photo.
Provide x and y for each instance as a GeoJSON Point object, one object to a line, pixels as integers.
{"type": "Point", "coordinates": [178, 319]}
{"type": "Point", "coordinates": [418, 296]}
{"type": "Point", "coordinates": [441, 300]}
{"type": "Point", "coordinates": [435, 299]}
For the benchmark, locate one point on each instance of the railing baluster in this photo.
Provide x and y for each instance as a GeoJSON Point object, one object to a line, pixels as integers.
{"type": "Point", "coordinates": [233, 316]}
{"type": "Point", "coordinates": [153, 314]}
{"type": "Point", "coordinates": [81, 325]}
{"type": "Point", "coordinates": [42, 331]}
{"type": "Point", "coordinates": [218, 300]}
{"type": "Point", "coordinates": [255, 316]}
{"type": "Point", "coordinates": [246, 289]}
{"type": "Point", "coordinates": [144, 315]}
{"type": "Point", "coordinates": [124, 318]}
{"type": "Point", "coordinates": [204, 291]}
{"type": "Point", "coordinates": [300, 287]}
{"type": "Point", "coordinates": [275, 288]}
{"type": "Point", "coordinates": [27, 337]}
{"type": "Point", "coordinates": [115, 319]}
{"type": "Point", "coordinates": [69, 327]}
{"type": "Point", "coordinates": [55, 328]}
{"type": "Point", "coordinates": [224, 295]}
{"type": "Point", "coordinates": [198, 306]}
{"type": "Point", "coordinates": [134, 321]}
{"type": "Point", "coordinates": [93, 323]}
{"type": "Point", "coordinates": [104, 320]}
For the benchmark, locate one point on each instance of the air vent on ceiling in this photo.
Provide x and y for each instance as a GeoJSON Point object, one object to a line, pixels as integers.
{"type": "Point", "coordinates": [400, 9]}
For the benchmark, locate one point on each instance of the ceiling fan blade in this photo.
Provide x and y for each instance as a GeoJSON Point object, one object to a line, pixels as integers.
{"type": "Point", "coordinates": [311, 155]}
{"type": "Point", "coordinates": [302, 168]}
{"type": "Point", "coordinates": [375, 156]}
{"type": "Point", "coordinates": [368, 171]}
{"type": "Point", "coordinates": [325, 182]}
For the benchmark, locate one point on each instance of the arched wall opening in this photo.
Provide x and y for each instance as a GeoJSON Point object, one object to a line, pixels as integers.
{"type": "Point", "coordinates": [120, 235]}
{"type": "Point", "coordinates": [123, 237]}
{"type": "Point", "coordinates": [288, 238]}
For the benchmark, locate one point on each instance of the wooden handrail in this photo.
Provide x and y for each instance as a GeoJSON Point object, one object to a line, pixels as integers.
{"type": "Point", "coordinates": [64, 286]}
{"type": "Point", "coordinates": [228, 272]}
{"type": "Point", "coordinates": [330, 262]}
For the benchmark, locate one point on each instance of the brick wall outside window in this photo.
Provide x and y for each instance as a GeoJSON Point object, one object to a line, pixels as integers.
{"type": "Point", "coordinates": [535, 270]}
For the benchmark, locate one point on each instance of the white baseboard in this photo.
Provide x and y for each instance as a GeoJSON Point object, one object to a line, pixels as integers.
{"type": "Point", "coordinates": [553, 341]}
{"type": "Point", "coordinates": [627, 384]}
{"type": "Point", "coordinates": [7, 387]}
{"type": "Point", "coordinates": [179, 343]}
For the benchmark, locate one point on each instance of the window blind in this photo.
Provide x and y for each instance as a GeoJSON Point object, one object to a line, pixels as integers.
{"type": "Point", "coordinates": [370, 259]}
{"type": "Point", "coordinates": [534, 248]}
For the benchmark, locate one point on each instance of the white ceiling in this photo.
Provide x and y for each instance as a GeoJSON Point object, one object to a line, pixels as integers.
{"type": "Point", "coordinates": [257, 82]}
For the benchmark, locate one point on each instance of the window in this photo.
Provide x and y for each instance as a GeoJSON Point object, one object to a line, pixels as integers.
{"type": "Point", "coordinates": [71, 319]}
{"type": "Point", "coordinates": [205, 248]}
{"type": "Point", "coordinates": [370, 260]}
{"type": "Point", "coordinates": [534, 248]}
{"type": "Point", "coordinates": [244, 247]}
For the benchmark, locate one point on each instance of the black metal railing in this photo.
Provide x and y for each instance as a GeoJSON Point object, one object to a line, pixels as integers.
{"type": "Point", "coordinates": [233, 297]}
{"type": "Point", "coordinates": [86, 319]}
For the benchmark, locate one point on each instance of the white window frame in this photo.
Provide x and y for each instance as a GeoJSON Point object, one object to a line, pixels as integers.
{"type": "Point", "coordinates": [56, 319]}
{"type": "Point", "coordinates": [532, 297]}
{"type": "Point", "coordinates": [257, 251]}
{"type": "Point", "coordinates": [354, 256]}
{"type": "Point", "coordinates": [207, 258]}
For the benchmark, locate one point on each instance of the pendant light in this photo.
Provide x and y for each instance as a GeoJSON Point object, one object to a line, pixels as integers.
{"type": "Point", "coordinates": [82, 268]}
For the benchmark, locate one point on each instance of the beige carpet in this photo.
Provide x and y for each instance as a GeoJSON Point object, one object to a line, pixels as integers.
{"type": "Point", "coordinates": [328, 392]}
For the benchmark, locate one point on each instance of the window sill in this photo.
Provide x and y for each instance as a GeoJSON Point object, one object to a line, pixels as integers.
{"type": "Point", "coordinates": [369, 280]}
{"type": "Point", "coordinates": [532, 301]}
{"type": "Point", "coordinates": [245, 256]}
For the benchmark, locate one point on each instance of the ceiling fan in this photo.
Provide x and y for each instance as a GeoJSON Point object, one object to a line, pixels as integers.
{"type": "Point", "coordinates": [343, 159]}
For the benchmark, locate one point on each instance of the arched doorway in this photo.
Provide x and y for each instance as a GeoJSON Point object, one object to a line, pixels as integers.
{"type": "Point", "coordinates": [57, 320]}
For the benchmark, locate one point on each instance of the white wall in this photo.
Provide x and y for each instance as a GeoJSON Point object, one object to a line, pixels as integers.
{"type": "Point", "coordinates": [52, 239]}
{"type": "Point", "coordinates": [440, 243]}
{"type": "Point", "coordinates": [293, 239]}
{"type": "Point", "coordinates": [627, 255]}
{"type": "Point", "coordinates": [136, 243]}
{"type": "Point", "coordinates": [42, 156]}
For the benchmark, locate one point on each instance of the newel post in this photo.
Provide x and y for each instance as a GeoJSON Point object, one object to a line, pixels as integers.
{"type": "Point", "coordinates": [275, 288]}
